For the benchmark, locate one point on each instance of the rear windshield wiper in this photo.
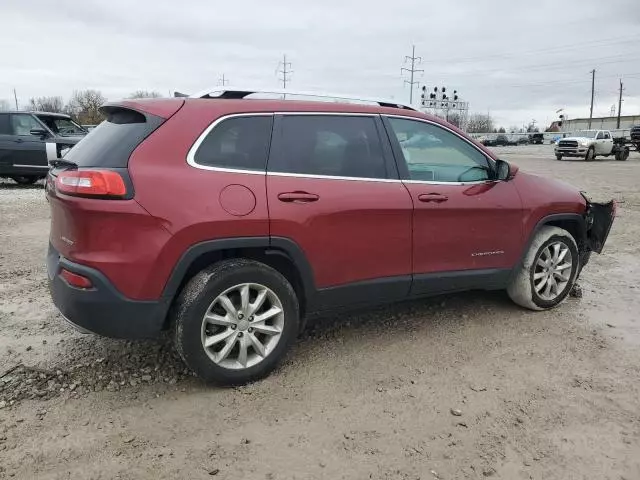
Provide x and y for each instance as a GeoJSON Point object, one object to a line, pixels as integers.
{"type": "Point", "coordinates": [61, 162]}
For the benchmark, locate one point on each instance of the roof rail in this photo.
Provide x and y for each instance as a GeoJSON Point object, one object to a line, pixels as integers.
{"type": "Point", "coordinates": [238, 93]}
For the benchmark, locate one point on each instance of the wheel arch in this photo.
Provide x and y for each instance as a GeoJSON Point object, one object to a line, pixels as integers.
{"type": "Point", "coordinates": [281, 254]}
{"type": "Point", "coordinates": [573, 223]}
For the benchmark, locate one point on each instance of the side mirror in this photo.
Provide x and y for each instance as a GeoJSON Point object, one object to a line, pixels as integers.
{"type": "Point", "coordinates": [503, 170]}
{"type": "Point", "coordinates": [38, 132]}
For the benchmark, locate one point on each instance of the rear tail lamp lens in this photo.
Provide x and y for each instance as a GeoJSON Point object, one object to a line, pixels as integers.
{"type": "Point", "coordinates": [91, 183]}
{"type": "Point", "coordinates": [75, 280]}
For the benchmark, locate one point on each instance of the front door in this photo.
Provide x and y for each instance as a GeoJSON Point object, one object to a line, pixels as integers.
{"type": "Point", "coordinates": [466, 228]}
{"type": "Point", "coordinates": [333, 189]}
{"type": "Point", "coordinates": [29, 152]}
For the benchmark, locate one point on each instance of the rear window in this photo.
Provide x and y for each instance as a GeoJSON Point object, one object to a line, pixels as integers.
{"type": "Point", "coordinates": [5, 126]}
{"type": "Point", "coordinates": [237, 142]}
{"type": "Point", "coordinates": [112, 142]}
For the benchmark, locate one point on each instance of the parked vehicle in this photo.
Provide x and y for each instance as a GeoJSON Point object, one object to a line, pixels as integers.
{"type": "Point", "coordinates": [589, 144]}
{"type": "Point", "coordinates": [522, 141]}
{"type": "Point", "coordinates": [536, 139]}
{"type": "Point", "coordinates": [230, 223]}
{"type": "Point", "coordinates": [499, 141]}
{"type": "Point", "coordinates": [29, 140]}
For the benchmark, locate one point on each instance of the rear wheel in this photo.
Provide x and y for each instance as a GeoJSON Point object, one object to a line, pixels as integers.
{"type": "Point", "coordinates": [591, 154]}
{"type": "Point", "coordinates": [25, 179]}
{"type": "Point", "coordinates": [235, 321]}
{"type": "Point", "coordinates": [547, 273]}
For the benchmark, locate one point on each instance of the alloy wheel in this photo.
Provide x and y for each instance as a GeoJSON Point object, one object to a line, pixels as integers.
{"type": "Point", "coordinates": [242, 326]}
{"type": "Point", "coordinates": [552, 271]}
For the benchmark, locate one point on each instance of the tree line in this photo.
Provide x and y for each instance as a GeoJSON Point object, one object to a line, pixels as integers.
{"type": "Point", "coordinates": [83, 106]}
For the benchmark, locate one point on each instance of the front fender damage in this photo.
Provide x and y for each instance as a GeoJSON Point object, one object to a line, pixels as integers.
{"type": "Point", "coordinates": [598, 219]}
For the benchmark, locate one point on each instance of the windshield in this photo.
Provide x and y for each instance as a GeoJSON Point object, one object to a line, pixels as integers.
{"type": "Point", "coordinates": [62, 126]}
{"type": "Point", "coordinates": [586, 134]}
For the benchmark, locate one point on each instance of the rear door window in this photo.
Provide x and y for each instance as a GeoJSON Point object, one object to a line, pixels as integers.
{"type": "Point", "coordinates": [237, 143]}
{"type": "Point", "coordinates": [329, 145]}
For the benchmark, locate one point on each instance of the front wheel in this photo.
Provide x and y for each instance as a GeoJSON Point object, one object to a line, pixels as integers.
{"type": "Point", "coordinates": [558, 157]}
{"type": "Point", "coordinates": [235, 321]}
{"type": "Point", "coordinates": [547, 273]}
{"type": "Point", "coordinates": [591, 154]}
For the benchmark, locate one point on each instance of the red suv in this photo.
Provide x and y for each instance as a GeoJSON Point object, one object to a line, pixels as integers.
{"type": "Point", "coordinates": [230, 220]}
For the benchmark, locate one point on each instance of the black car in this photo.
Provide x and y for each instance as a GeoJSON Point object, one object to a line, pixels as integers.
{"type": "Point", "coordinates": [536, 138]}
{"type": "Point", "coordinates": [30, 140]}
{"type": "Point", "coordinates": [499, 141]}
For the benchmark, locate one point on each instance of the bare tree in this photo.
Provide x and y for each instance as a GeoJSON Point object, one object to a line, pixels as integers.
{"type": "Point", "coordinates": [47, 104]}
{"type": "Point", "coordinates": [4, 105]}
{"type": "Point", "coordinates": [502, 130]}
{"type": "Point", "coordinates": [514, 129]}
{"type": "Point", "coordinates": [480, 123]}
{"type": "Point", "coordinates": [145, 94]}
{"type": "Point", "coordinates": [84, 106]}
{"type": "Point", "coordinates": [455, 119]}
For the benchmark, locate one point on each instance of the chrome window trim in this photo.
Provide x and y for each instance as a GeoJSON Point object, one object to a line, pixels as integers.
{"type": "Point", "coordinates": [191, 154]}
{"type": "Point", "coordinates": [194, 148]}
{"type": "Point", "coordinates": [436, 124]}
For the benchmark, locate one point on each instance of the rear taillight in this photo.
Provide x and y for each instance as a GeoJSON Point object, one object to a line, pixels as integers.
{"type": "Point", "coordinates": [91, 183]}
{"type": "Point", "coordinates": [75, 280]}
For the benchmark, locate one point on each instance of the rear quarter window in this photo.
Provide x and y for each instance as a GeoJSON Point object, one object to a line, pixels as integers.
{"type": "Point", "coordinates": [237, 143]}
{"type": "Point", "coordinates": [111, 143]}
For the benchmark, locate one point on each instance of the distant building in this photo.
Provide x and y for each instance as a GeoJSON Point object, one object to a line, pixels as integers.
{"type": "Point", "coordinates": [603, 123]}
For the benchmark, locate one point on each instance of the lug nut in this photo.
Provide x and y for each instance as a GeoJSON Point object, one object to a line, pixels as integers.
{"type": "Point", "coordinates": [251, 318]}
{"type": "Point", "coordinates": [240, 316]}
{"type": "Point", "coordinates": [239, 334]}
{"type": "Point", "coordinates": [250, 329]}
{"type": "Point", "coordinates": [233, 327]}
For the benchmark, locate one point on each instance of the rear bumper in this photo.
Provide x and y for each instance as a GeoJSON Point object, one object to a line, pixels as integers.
{"type": "Point", "coordinates": [102, 309]}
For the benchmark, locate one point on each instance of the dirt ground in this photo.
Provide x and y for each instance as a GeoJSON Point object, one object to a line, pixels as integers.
{"type": "Point", "coordinates": [551, 395]}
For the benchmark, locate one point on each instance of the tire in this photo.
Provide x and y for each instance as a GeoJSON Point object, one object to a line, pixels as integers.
{"type": "Point", "coordinates": [591, 154]}
{"type": "Point", "coordinates": [522, 286]}
{"type": "Point", "coordinates": [202, 296]}
{"type": "Point", "coordinates": [25, 179]}
{"type": "Point", "coordinates": [618, 155]}
{"type": "Point", "coordinates": [558, 157]}
{"type": "Point", "coordinates": [625, 154]}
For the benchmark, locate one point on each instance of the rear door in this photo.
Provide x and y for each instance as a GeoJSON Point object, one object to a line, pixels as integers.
{"type": "Point", "coordinates": [607, 143]}
{"type": "Point", "coordinates": [466, 228]}
{"type": "Point", "coordinates": [29, 151]}
{"type": "Point", "coordinates": [333, 189]}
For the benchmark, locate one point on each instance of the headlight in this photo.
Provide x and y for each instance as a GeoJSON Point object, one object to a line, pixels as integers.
{"type": "Point", "coordinates": [584, 143]}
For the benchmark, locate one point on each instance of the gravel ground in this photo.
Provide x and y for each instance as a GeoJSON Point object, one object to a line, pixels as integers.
{"type": "Point", "coordinates": [460, 386]}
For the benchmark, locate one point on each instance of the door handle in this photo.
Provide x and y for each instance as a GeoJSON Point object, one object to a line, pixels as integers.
{"type": "Point", "coordinates": [18, 140]}
{"type": "Point", "coordinates": [301, 197]}
{"type": "Point", "coordinates": [433, 197]}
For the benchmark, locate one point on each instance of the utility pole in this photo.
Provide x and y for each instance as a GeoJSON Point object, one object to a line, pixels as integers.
{"type": "Point", "coordinates": [286, 72]}
{"type": "Point", "coordinates": [619, 106]}
{"type": "Point", "coordinates": [593, 86]}
{"type": "Point", "coordinates": [413, 70]}
{"type": "Point", "coordinates": [15, 96]}
{"type": "Point", "coordinates": [223, 81]}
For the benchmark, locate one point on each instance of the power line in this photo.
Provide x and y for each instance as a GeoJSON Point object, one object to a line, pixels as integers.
{"type": "Point", "coordinates": [413, 70]}
{"type": "Point", "coordinates": [559, 48]}
{"type": "Point", "coordinates": [284, 69]}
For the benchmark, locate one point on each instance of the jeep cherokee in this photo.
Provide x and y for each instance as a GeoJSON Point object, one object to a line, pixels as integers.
{"type": "Point", "coordinates": [229, 220]}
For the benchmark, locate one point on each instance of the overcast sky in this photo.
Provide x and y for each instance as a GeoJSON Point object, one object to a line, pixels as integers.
{"type": "Point", "coordinates": [519, 60]}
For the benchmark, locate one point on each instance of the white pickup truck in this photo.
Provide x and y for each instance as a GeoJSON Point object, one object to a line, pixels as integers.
{"type": "Point", "coordinates": [587, 144]}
